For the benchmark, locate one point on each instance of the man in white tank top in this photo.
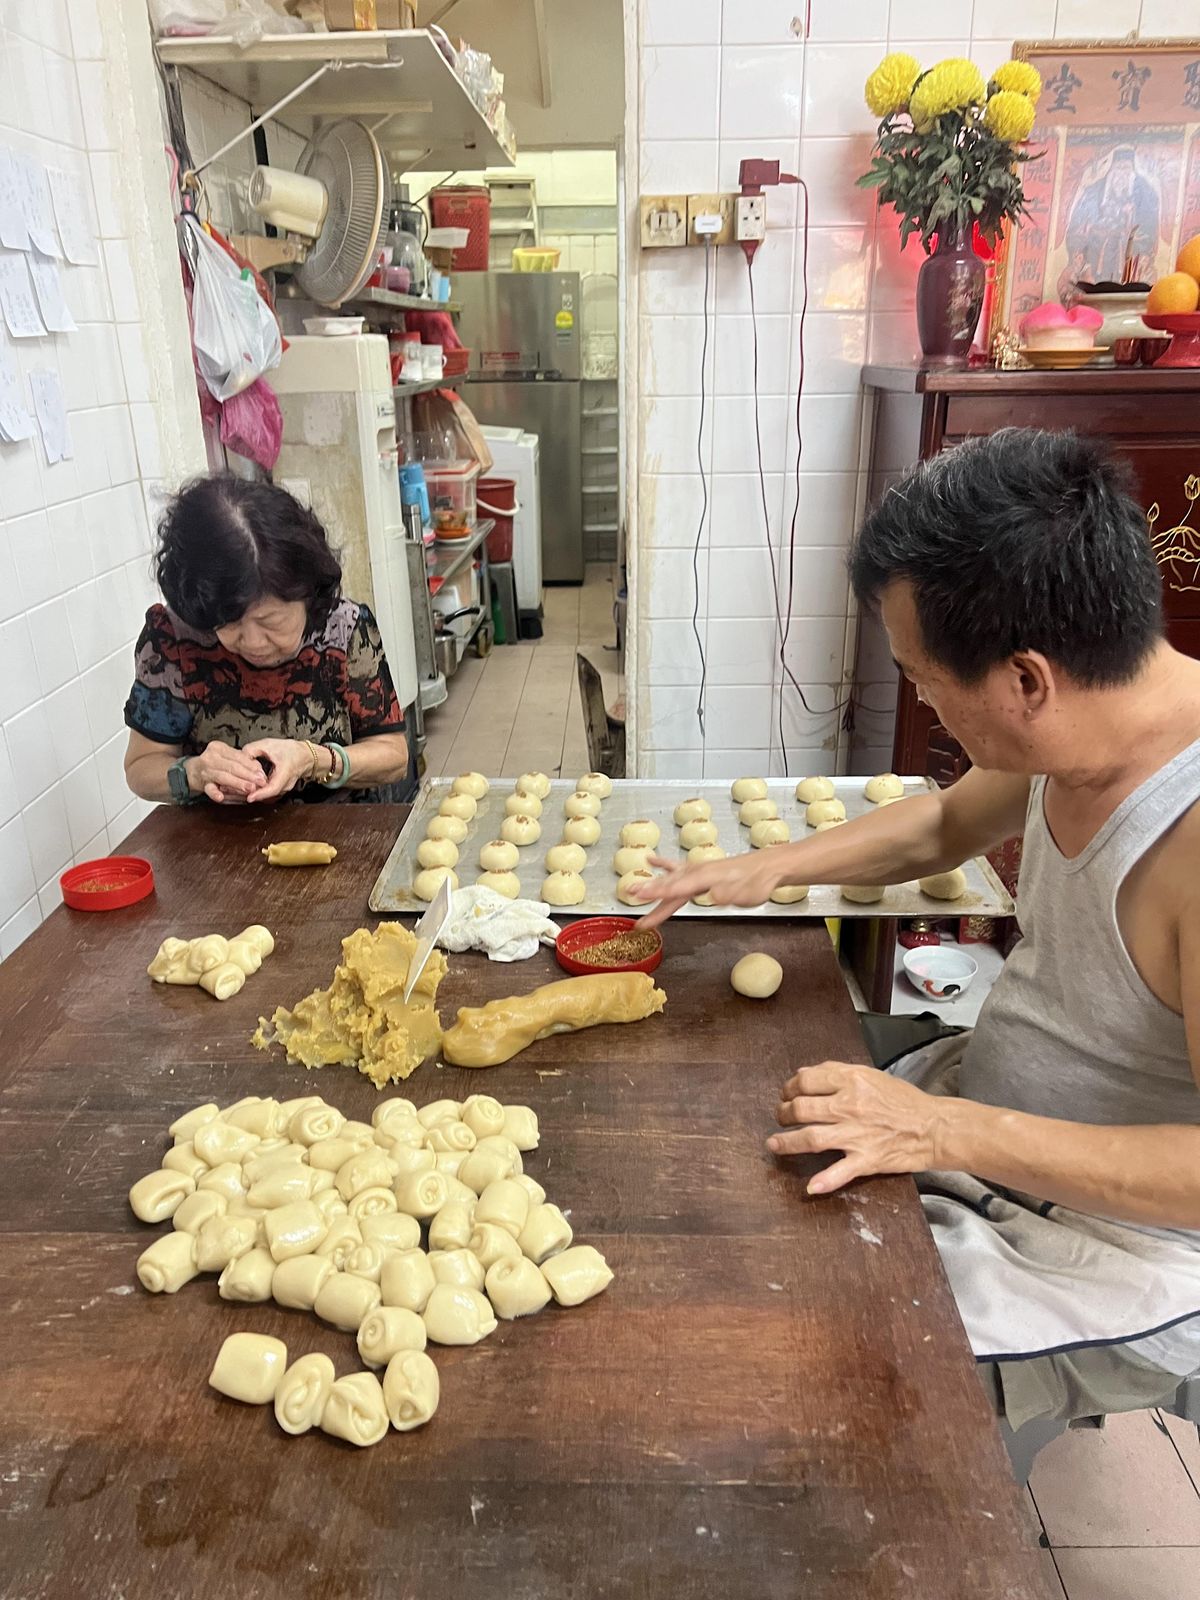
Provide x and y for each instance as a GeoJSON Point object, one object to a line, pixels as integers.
{"type": "Point", "coordinates": [1059, 1144]}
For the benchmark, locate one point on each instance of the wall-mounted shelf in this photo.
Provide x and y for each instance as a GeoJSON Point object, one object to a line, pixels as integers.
{"type": "Point", "coordinates": [405, 391]}
{"type": "Point", "coordinates": [428, 120]}
{"type": "Point", "coordinates": [389, 300]}
{"type": "Point", "coordinates": [601, 488]}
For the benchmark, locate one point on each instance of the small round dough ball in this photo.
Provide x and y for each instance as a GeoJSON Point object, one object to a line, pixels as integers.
{"type": "Point", "coordinates": [824, 811]}
{"type": "Point", "coordinates": [699, 832]}
{"type": "Point", "coordinates": [641, 831]}
{"type": "Point", "coordinates": [810, 789]}
{"type": "Point", "coordinates": [426, 884]}
{"type": "Point", "coordinates": [629, 881]}
{"type": "Point", "coordinates": [566, 858]}
{"type": "Point", "coordinates": [597, 783]}
{"type": "Point", "coordinates": [499, 855]}
{"type": "Point", "coordinates": [459, 805]}
{"type": "Point", "coordinates": [564, 889]}
{"type": "Point", "coordinates": [632, 858]}
{"type": "Point", "coordinates": [886, 786]}
{"type": "Point", "coordinates": [452, 828]}
{"type": "Point", "coordinates": [950, 885]}
{"type": "Point", "coordinates": [769, 831]}
{"type": "Point", "coordinates": [753, 811]}
{"type": "Point", "coordinates": [703, 900]}
{"type": "Point", "coordinates": [789, 894]}
{"type": "Point", "coordinates": [437, 853]}
{"type": "Point", "coordinates": [581, 830]}
{"type": "Point", "coordinates": [863, 894]}
{"type": "Point", "coordinates": [749, 789]}
{"type": "Point", "coordinates": [700, 853]}
{"type": "Point", "coordinates": [757, 976]}
{"type": "Point", "coordinates": [505, 883]}
{"type": "Point", "coordinates": [472, 783]}
{"type": "Point", "coordinates": [581, 804]}
{"type": "Point", "coordinates": [834, 822]}
{"type": "Point", "coordinates": [522, 805]}
{"type": "Point", "coordinates": [521, 829]}
{"type": "Point", "coordinates": [533, 783]}
{"type": "Point", "coordinates": [696, 810]}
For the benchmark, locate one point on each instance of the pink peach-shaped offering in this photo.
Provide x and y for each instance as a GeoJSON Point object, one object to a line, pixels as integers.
{"type": "Point", "coordinates": [1053, 327]}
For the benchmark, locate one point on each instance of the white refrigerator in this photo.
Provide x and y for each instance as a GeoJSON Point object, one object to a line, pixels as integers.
{"type": "Point", "coordinates": [515, 455]}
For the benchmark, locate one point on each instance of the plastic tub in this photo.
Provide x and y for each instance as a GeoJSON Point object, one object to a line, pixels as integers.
{"type": "Point", "coordinates": [535, 260]}
{"type": "Point", "coordinates": [464, 206]}
{"type": "Point", "coordinates": [107, 884]}
{"type": "Point", "coordinates": [452, 496]}
{"type": "Point", "coordinates": [594, 930]}
{"type": "Point", "coordinates": [497, 498]}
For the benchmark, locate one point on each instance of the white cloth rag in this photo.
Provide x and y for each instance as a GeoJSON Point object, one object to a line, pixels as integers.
{"type": "Point", "coordinates": [508, 930]}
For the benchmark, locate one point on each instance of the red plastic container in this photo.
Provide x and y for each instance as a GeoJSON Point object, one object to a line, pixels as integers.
{"type": "Point", "coordinates": [107, 884]}
{"type": "Point", "coordinates": [497, 498]}
{"type": "Point", "coordinates": [457, 362]}
{"type": "Point", "coordinates": [594, 930]}
{"type": "Point", "coordinates": [464, 206]}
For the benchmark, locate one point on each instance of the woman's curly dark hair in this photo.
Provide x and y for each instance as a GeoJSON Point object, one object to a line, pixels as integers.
{"type": "Point", "coordinates": [224, 542]}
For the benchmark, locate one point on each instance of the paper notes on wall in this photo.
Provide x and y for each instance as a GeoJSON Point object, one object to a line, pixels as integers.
{"type": "Point", "coordinates": [73, 214]}
{"type": "Point", "coordinates": [14, 235]}
{"type": "Point", "coordinates": [17, 299]}
{"type": "Point", "coordinates": [48, 287]}
{"type": "Point", "coordinates": [51, 408]}
{"type": "Point", "coordinates": [15, 422]}
{"type": "Point", "coordinates": [39, 215]}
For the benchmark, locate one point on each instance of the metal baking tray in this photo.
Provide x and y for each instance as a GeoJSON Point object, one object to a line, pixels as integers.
{"type": "Point", "coordinates": [657, 798]}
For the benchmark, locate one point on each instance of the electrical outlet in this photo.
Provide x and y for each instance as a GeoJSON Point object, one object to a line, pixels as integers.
{"type": "Point", "coordinates": [710, 205]}
{"type": "Point", "coordinates": [751, 218]}
{"type": "Point", "coordinates": [663, 220]}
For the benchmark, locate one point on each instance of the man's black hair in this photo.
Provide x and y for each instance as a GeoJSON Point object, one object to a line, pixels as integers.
{"type": "Point", "coordinates": [1025, 540]}
{"type": "Point", "coordinates": [225, 542]}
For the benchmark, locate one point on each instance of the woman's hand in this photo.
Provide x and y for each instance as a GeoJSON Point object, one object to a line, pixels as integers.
{"type": "Point", "coordinates": [290, 762]}
{"type": "Point", "coordinates": [745, 880]}
{"type": "Point", "coordinates": [226, 775]}
{"type": "Point", "coordinates": [881, 1123]}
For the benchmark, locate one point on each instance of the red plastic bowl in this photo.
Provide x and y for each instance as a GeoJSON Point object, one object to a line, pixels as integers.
{"type": "Point", "coordinates": [108, 884]}
{"type": "Point", "coordinates": [594, 930]}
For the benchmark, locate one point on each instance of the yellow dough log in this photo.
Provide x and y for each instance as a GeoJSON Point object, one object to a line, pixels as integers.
{"type": "Point", "coordinates": [484, 1036]}
{"type": "Point", "coordinates": [299, 853]}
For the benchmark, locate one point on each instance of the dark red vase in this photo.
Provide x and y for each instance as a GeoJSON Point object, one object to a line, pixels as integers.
{"type": "Point", "coordinates": [950, 287]}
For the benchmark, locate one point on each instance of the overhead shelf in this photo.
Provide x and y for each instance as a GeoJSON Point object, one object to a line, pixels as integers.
{"type": "Point", "coordinates": [405, 391]}
{"type": "Point", "coordinates": [389, 299]}
{"type": "Point", "coordinates": [431, 125]}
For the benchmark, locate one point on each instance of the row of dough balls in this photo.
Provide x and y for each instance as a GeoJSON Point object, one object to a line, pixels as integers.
{"type": "Point", "coordinates": [288, 1201]}
{"type": "Point", "coordinates": [438, 853]}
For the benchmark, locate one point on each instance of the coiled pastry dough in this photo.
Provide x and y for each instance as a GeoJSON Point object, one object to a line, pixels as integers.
{"type": "Point", "coordinates": [302, 1393]}
{"type": "Point", "coordinates": [545, 1233]}
{"type": "Point", "coordinates": [159, 1194]}
{"type": "Point", "coordinates": [355, 1410]}
{"type": "Point", "coordinates": [407, 1280]}
{"type": "Point", "coordinates": [452, 1227]}
{"type": "Point", "coordinates": [249, 1278]}
{"type": "Point", "coordinates": [516, 1287]}
{"type": "Point", "coordinates": [167, 1264]}
{"type": "Point", "coordinates": [249, 1367]}
{"type": "Point", "coordinates": [459, 1267]}
{"type": "Point", "coordinates": [387, 1331]}
{"type": "Point", "coordinates": [458, 1316]}
{"type": "Point", "coordinates": [299, 1280]}
{"type": "Point", "coordinates": [577, 1274]}
{"type": "Point", "coordinates": [346, 1301]}
{"type": "Point", "coordinates": [483, 1115]}
{"type": "Point", "coordinates": [411, 1390]}
{"type": "Point", "coordinates": [484, 1036]}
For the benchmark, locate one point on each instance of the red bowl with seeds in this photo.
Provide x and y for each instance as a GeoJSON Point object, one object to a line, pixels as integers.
{"type": "Point", "coordinates": [108, 884]}
{"type": "Point", "coordinates": [608, 944]}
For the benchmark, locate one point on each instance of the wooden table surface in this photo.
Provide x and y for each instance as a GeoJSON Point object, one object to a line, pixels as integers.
{"type": "Point", "coordinates": [774, 1399]}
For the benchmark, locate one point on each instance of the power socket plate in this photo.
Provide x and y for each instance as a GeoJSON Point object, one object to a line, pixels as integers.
{"type": "Point", "coordinates": [663, 221]}
{"type": "Point", "coordinates": [714, 205]}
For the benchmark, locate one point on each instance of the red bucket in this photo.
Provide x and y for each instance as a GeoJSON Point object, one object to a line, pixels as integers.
{"type": "Point", "coordinates": [497, 498]}
{"type": "Point", "coordinates": [465, 206]}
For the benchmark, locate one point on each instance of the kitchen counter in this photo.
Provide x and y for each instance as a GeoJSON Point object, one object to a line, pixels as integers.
{"type": "Point", "coordinates": [774, 1398]}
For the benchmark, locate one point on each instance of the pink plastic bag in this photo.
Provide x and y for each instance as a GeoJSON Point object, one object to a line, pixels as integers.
{"type": "Point", "coordinates": [252, 424]}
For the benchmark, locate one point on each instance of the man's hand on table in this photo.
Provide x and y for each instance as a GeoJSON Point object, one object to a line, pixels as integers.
{"type": "Point", "coordinates": [744, 880]}
{"type": "Point", "coordinates": [881, 1123]}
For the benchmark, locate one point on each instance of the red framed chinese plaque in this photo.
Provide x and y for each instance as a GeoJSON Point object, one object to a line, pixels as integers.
{"type": "Point", "coordinates": [1116, 188]}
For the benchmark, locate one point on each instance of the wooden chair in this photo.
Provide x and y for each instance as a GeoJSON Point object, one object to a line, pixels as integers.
{"type": "Point", "coordinates": [605, 733]}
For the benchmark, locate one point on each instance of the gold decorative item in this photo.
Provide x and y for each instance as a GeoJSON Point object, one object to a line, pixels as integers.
{"type": "Point", "coordinates": [1177, 549]}
{"type": "Point", "coordinates": [1006, 351]}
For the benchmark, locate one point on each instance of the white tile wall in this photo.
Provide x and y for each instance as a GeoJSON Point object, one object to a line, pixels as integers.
{"type": "Point", "coordinates": [721, 82]}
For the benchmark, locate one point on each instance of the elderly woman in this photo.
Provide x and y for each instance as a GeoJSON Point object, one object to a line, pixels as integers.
{"type": "Point", "coordinates": [257, 679]}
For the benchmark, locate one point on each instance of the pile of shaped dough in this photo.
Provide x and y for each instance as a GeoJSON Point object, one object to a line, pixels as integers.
{"type": "Point", "coordinates": [693, 834]}
{"type": "Point", "coordinates": [564, 889]}
{"type": "Point", "coordinates": [522, 805]}
{"type": "Point", "coordinates": [484, 1036]}
{"type": "Point", "coordinates": [886, 786]}
{"type": "Point", "coordinates": [769, 831]}
{"type": "Point", "coordinates": [219, 966]}
{"type": "Point", "coordinates": [299, 853]}
{"type": "Point", "coordinates": [452, 828]}
{"type": "Point", "coordinates": [533, 783]}
{"type": "Point", "coordinates": [521, 829]}
{"type": "Point", "coordinates": [437, 853]}
{"type": "Point", "coordinates": [582, 804]}
{"type": "Point", "coordinates": [810, 789]}
{"type": "Point", "coordinates": [430, 1260]}
{"type": "Point", "coordinates": [472, 783]}
{"type": "Point", "coordinates": [581, 830]}
{"type": "Point", "coordinates": [566, 858]}
{"type": "Point", "coordinates": [694, 810]}
{"type": "Point", "coordinates": [752, 811]}
{"type": "Point", "coordinates": [819, 811]}
{"type": "Point", "coordinates": [462, 806]}
{"type": "Point", "coordinates": [597, 783]}
{"type": "Point", "coordinates": [748, 789]}
{"type": "Point", "coordinates": [361, 1019]}
{"type": "Point", "coordinates": [498, 855]}
{"type": "Point", "coordinates": [641, 832]}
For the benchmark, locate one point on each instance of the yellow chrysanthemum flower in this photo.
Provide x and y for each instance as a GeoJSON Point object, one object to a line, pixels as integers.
{"type": "Point", "coordinates": [950, 86]}
{"type": "Point", "coordinates": [1020, 77]}
{"type": "Point", "coordinates": [890, 85]}
{"type": "Point", "coordinates": [1009, 116]}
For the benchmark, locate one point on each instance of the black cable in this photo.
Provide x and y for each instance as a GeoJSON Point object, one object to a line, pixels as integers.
{"type": "Point", "coordinates": [762, 494]}
{"type": "Point", "coordinates": [704, 499]}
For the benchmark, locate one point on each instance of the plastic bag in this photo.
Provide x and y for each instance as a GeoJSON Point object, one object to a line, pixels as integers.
{"type": "Point", "coordinates": [243, 21]}
{"type": "Point", "coordinates": [236, 336]}
{"type": "Point", "coordinates": [252, 424]}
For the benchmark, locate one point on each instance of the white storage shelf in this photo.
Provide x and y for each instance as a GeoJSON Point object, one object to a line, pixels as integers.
{"type": "Point", "coordinates": [429, 121]}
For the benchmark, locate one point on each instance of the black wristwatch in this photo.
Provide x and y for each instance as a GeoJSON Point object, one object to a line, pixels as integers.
{"type": "Point", "coordinates": [177, 780]}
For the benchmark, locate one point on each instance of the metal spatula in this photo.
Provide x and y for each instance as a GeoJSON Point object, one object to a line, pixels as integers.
{"type": "Point", "coordinates": [428, 932]}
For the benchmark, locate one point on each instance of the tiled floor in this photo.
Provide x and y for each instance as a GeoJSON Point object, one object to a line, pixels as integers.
{"type": "Point", "coordinates": [1120, 1507]}
{"type": "Point", "coordinates": [518, 710]}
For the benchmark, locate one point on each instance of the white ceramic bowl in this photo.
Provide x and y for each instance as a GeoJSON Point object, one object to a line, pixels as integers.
{"type": "Point", "coordinates": [940, 972]}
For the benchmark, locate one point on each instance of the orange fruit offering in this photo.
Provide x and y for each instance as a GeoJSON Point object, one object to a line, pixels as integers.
{"type": "Point", "coordinates": [1189, 258]}
{"type": "Point", "coordinates": [1176, 294]}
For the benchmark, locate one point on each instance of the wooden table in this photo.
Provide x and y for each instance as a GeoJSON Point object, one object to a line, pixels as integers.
{"type": "Point", "coordinates": [774, 1399]}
